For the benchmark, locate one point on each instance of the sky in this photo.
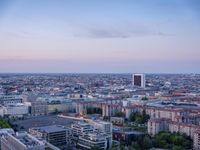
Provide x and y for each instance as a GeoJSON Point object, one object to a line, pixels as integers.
{"type": "Point", "coordinates": [99, 36]}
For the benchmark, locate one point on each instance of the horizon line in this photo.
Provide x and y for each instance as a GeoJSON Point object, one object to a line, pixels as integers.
{"type": "Point", "coordinates": [95, 73]}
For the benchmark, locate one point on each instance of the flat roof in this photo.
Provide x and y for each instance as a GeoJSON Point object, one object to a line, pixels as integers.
{"type": "Point", "coordinates": [172, 104]}
{"type": "Point", "coordinates": [49, 129]}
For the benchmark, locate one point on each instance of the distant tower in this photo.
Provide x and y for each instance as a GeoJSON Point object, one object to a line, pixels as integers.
{"type": "Point", "coordinates": [139, 80]}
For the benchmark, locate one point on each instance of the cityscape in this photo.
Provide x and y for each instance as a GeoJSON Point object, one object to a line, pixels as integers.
{"type": "Point", "coordinates": [100, 111]}
{"type": "Point", "coordinates": [99, 75]}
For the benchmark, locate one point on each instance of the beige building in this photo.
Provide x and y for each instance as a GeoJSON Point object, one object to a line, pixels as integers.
{"type": "Point", "coordinates": [63, 107]}
{"type": "Point", "coordinates": [196, 142]}
{"type": "Point", "coordinates": [39, 107]}
{"type": "Point", "coordinates": [157, 125]}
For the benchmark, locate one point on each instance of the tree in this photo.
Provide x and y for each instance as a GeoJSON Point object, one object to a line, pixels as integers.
{"type": "Point", "coordinates": [139, 118]}
{"type": "Point", "coordinates": [56, 111]}
{"type": "Point", "coordinates": [175, 141]}
{"type": "Point", "coordinates": [145, 116]}
{"type": "Point", "coordinates": [145, 98]}
{"type": "Point", "coordinates": [4, 123]}
{"type": "Point", "coordinates": [119, 114]}
{"type": "Point", "coordinates": [135, 145]}
{"type": "Point", "coordinates": [95, 148]}
{"type": "Point", "coordinates": [147, 143]}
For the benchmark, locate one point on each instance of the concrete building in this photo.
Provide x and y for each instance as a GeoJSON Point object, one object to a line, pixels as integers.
{"type": "Point", "coordinates": [94, 139]}
{"type": "Point", "coordinates": [139, 80]}
{"type": "Point", "coordinates": [196, 142]}
{"type": "Point", "coordinates": [126, 137]}
{"type": "Point", "coordinates": [93, 133]}
{"type": "Point", "coordinates": [56, 135]}
{"type": "Point", "coordinates": [104, 127]}
{"type": "Point", "coordinates": [80, 129]}
{"type": "Point", "coordinates": [4, 132]}
{"type": "Point", "coordinates": [14, 110]}
{"type": "Point", "coordinates": [117, 120]}
{"type": "Point", "coordinates": [21, 141]}
{"type": "Point", "coordinates": [157, 125]}
{"type": "Point", "coordinates": [62, 107]}
{"type": "Point", "coordinates": [10, 99]}
{"type": "Point", "coordinates": [39, 107]}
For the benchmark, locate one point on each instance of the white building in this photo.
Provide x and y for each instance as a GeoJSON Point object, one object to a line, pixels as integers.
{"type": "Point", "coordinates": [93, 133]}
{"type": "Point", "coordinates": [94, 139]}
{"type": "Point", "coordinates": [14, 110]}
{"type": "Point", "coordinates": [21, 141]}
{"type": "Point", "coordinates": [104, 127]}
{"type": "Point", "coordinates": [80, 129]}
{"type": "Point", "coordinates": [10, 99]}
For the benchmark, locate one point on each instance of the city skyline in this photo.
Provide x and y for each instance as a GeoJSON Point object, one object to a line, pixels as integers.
{"type": "Point", "coordinates": [99, 36]}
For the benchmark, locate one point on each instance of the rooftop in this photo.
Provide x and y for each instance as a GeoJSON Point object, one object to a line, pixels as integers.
{"type": "Point", "coordinates": [49, 129]}
{"type": "Point", "coordinates": [29, 142]}
{"type": "Point", "coordinates": [173, 104]}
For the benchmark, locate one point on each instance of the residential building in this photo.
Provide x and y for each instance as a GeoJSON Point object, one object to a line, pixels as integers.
{"type": "Point", "coordinates": [196, 142]}
{"type": "Point", "coordinates": [157, 125]}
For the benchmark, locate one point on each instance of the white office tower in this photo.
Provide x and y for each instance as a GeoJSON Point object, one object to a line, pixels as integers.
{"type": "Point", "coordinates": [93, 134]}
{"type": "Point", "coordinates": [104, 127]}
{"type": "Point", "coordinates": [139, 80]}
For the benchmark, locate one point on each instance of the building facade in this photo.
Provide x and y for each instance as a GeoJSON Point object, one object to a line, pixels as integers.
{"type": "Point", "coordinates": [139, 80]}
{"type": "Point", "coordinates": [22, 141]}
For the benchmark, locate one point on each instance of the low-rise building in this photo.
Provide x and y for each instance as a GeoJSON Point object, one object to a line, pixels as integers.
{"type": "Point", "coordinates": [117, 120]}
{"type": "Point", "coordinates": [10, 99]}
{"type": "Point", "coordinates": [80, 129]}
{"type": "Point", "coordinates": [126, 137]}
{"type": "Point", "coordinates": [14, 110]}
{"type": "Point", "coordinates": [39, 107]}
{"type": "Point", "coordinates": [94, 139]}
{"type": "Point", "coordinates": [55, 134]}
{"type": "Point", "coordinates": [21, 141]}
{"type": "Point", "coordinates": [93, 133]}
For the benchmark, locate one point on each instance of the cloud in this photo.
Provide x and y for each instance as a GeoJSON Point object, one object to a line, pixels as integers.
{"type": "Point", "coordinates": [124, 31]}
{"type": "Point", "coordinates": [20, 34]}
{"type": "Point", "coordinates": [103, 33]}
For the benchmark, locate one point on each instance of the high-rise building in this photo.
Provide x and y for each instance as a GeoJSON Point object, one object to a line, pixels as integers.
{"type": "Point", "coordinates": [139, 80]}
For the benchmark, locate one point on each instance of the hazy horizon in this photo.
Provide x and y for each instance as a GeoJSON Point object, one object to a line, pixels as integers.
{"type": "Point", "coordinates": [91, 36]}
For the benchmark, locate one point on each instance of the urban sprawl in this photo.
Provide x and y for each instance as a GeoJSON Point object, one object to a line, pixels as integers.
{"type": "Point", "coordinates": [99, 111]}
